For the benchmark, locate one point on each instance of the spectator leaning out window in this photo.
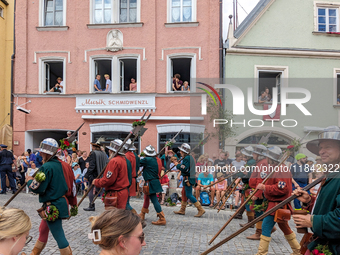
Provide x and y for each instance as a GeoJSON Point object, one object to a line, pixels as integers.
{"type": "Point", "coordinates": [177, 83]}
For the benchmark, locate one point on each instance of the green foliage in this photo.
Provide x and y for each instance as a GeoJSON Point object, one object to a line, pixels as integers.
{"type": "Point", "coordinates": [322, 249]}
{"type": "Point", "coordinates": [170, 202]}
{"type": "Point", "coordinates": [74, 210]}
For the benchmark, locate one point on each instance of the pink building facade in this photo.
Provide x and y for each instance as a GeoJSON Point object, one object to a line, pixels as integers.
{"type": "Point", "coordinates": [149, 41]}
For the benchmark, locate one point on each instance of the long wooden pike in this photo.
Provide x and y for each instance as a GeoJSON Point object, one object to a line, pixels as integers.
{"type": "Point", "coordinates": [230, 193]}
{"type": "Point", "coordinates": [248, 225]}
{"type": "Point", "coordinates": [283, 159]}
{"type": "Point", "coordinates": [134, 131]}
{"type": "Point", "coordinates": [24, 185]}
{"type": "Point", "coordinates": [172, 140]}
{"type": "Point", "coordinates": [228, 176]}
{"type": "Point", "coordinates": [72, 137]}
{"type": "Point", "coordinates": [140, 133]}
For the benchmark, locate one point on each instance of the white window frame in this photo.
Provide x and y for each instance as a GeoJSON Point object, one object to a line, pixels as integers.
{"type": "Point", "coordinates": [42, 72]}
{"type": "Point", "coordinates": [329, 5]}
{"type": "Point", "coordinates": [192, 70]}
{"type": "Point", "coordinates": [115, 71]}
{"type": "Point", "coordinates": [42, 13]}
{"type": "Point", "coordinates": [115, 18]}
{"type": "Point", "coordinates": [274, 69]}
{"type": "Point", "coordinates": [194, 11]}
{"type": "Point", "coordinates": [1, 12]}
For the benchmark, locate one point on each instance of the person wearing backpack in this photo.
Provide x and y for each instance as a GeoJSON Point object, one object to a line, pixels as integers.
{"type": "Point", "coordinates": [187, 168]}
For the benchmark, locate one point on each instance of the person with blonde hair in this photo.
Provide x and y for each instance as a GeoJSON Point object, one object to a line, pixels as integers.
{"type": "Point", "coordinates": [108, 82]}
{"type": "Point", "coordinates": [117, 231]}
{"type": "Point", "coordinates": [14, 231]}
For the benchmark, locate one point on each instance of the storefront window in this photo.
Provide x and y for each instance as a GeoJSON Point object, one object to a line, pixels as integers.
{"type": "Point", "coordinates": [110, 136]}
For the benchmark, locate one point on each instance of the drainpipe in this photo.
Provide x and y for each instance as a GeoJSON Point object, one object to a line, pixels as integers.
{"type": "Point", "coordinates": [221, 59]}
{"type": "Point", "coordinates": [12, 66]}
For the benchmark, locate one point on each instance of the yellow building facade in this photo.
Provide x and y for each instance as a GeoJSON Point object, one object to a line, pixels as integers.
{"type": "Point", "coordinates": [6, 51]}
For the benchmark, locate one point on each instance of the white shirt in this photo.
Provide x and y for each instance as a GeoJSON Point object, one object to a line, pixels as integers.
{"type": "Point", "coordinates": [61, 88]}
{"type": "Point", "coordinates": [108, 82]}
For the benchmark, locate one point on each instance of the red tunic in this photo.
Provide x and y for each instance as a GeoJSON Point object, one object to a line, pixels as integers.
{"type": "Point", "coordinates": [131, 157]}
{"type": "Point", "coordinates": [160, 166]}
{"type": "Point", "coordinates": [278, 187]}
{"type": "Point", "coordinates": [115, 178]}
{"type": "Point", "coordinates": [71, 195]}
{"type": "Point", "coordinates": [255, 177]}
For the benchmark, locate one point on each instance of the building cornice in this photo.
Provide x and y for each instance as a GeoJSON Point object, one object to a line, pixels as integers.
{"type": "Point", "coordinates": [284, 52]}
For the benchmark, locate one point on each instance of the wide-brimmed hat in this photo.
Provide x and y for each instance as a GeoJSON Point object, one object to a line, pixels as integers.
{"type": "Point", "coordinates": [329, 133]}
{"type": "Point", "coordinates": [260, 149]}
{"type": "Point", "coordinates": [311, 159]}
{"type": "Point", "coordinates": [48, 146]}
{"type": "Point", "coordinates": [98, 143]}
{"type": "Point", "coordinates": [114, 146]}
{"type": "Point", "coordinates": [185, 148]}
{"type": "Point", "coordinates": [273, 153]}
{"type": "Point", "coordinates": [150, 151]}
{"type": "Point", "coordinates": [248, 151]}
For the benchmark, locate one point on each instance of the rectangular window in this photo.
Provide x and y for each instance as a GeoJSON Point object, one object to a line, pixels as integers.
{"type": "Point", "coordinates": [181, 68]}
{"type": "Point", "coordinates": [52, 71]}
{"type": "Point", "coordinates": [267, 81]}
{"type": "Point", "coordinates": [128, 74]}
{"type": "Point", "coordinates": [328, 19]}
{"type": "Point", "coordinates": [1, 12]}
{"type": "Point", "coordinates": [103, 67]}
{"type": "Point", "coordinates": [181, 10]}
{"type": "Point", "coordinates": [190, 138]}
{"type": "Point", "coordinates": [102, 11]}
{"type": "Point", "coordinates": [128, 11]}
{"type": "Point", "coordinates": [110, 136]}
{"type": "Point", "coordinates": [53, 13]}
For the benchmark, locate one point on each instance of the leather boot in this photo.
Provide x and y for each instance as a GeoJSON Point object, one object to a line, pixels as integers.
{"type": "Point", "coordinates": [90, 208]}
{"type": "Point", "coordinates": [66, 251]}
{"type": "Point", "coordinates": [240, 213]}
{"type": "Point", "coordinates": [38, 247]}
{"type": "Point", "coordinates": [143, 212]}
{"type": "Point", "coordinates": [182, 210]}
{"type": "Point", "coordinates": [161, 220]}
{"type": "Point", "coordinates": [256, 236]}
{"type": "Point", "coordinates": [294, 244]}
{"type": "Point", "coordinates": [264, 245]}
{"type": "Point", "coordinates": [199, 208]}
{"type": "Point", "coordinates": [250, 219]}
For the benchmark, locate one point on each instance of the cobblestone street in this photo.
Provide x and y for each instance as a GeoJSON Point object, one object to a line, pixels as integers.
{"type": "Point", "coordinates": [181, 235]}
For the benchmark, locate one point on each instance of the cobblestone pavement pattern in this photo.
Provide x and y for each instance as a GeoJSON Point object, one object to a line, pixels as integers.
{"type": "Point", "coordinates": [182, 234]}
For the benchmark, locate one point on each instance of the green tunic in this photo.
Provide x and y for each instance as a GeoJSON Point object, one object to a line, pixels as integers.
{"type": "Point", "coordinates": [129, 168]}
{"type": "Point", "coordinates": [53, 188]}
{"type": "Point", "coordinates": [137, 162]}
{"type": "Point", "coordinates": [150, 173]}
{"type": "Point", "coordinates": [326, 215]}
{"type": "Point", "coordinates": [187, 168]}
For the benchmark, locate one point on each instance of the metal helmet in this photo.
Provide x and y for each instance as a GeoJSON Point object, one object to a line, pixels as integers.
{"type": "Point", "coordinates": [128, 146]}
{"type": "Point", "coordinates": [114, 146]}
{"type": "Point", "coordinates": [48, 146]}
{"type": "Point", "coordinates": [273, 153]}
{"type": "Point", "coordinates": [329, 133]}
{"type": "Point", "coordinates": [185, 148]}
{"type": "Point", "coordinates": [260, 149]}
{"type": "Point", "coordinates": [248, 151]}
{"type": "Point", "coordinates": [150, 151]}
